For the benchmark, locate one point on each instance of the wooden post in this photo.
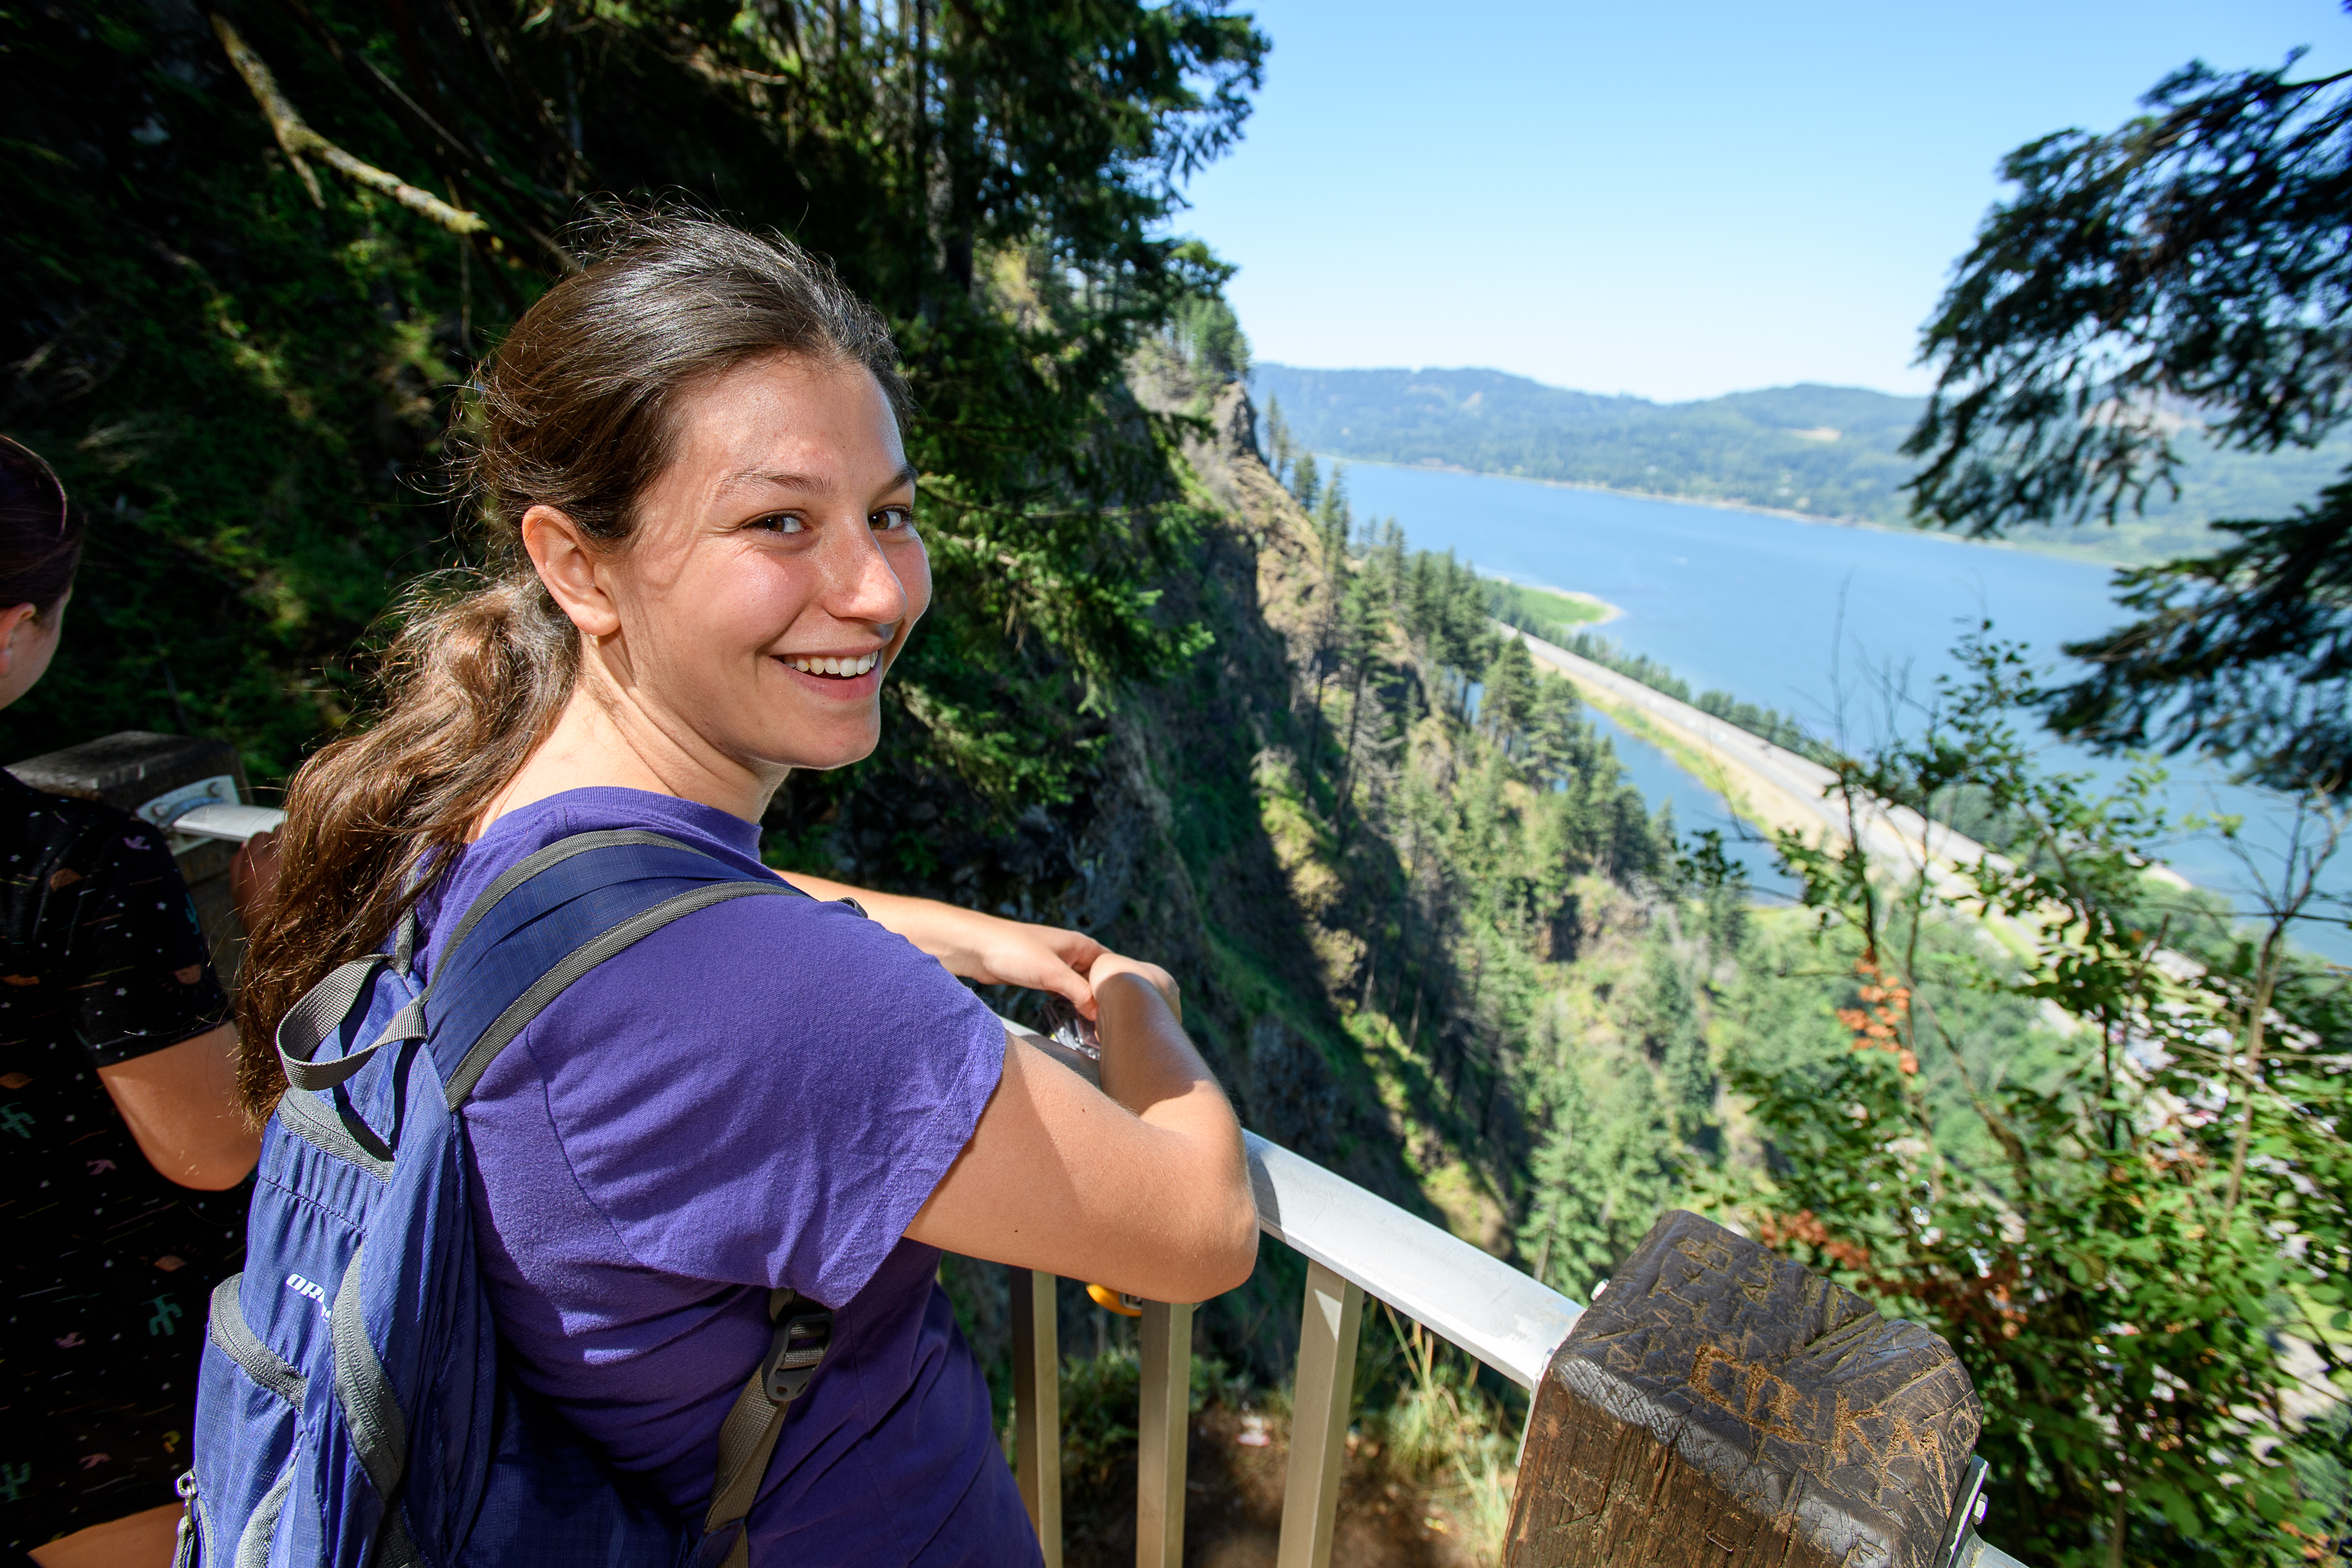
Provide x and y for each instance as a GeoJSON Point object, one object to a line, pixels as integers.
{"type": "Point", "coordinates": [1037, 1405]}
{"type": "Point", "coordinates": [1720, 1406]}
{"type": "Point", "coordinates": [1163, 1421]}
{"type": "Point", "coordinates": [149, 775]}
{"type": "Point", "coordinates": [1321, 1398]}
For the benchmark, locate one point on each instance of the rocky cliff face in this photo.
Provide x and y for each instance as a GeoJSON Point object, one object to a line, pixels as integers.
{"type": "Point", "coordinates": [1178, 852]}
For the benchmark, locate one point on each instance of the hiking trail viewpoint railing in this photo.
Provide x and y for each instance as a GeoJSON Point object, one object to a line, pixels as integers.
{"type": "Point", "coordinates": [1717, 1405]}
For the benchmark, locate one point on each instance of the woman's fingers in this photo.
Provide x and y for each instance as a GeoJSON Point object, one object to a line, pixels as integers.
{"type": "Point", "coordinates": [1038, 956]}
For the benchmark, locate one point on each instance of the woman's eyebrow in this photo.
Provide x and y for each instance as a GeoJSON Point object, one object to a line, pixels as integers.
{"type": "Point", "coordinates": [746, 478]}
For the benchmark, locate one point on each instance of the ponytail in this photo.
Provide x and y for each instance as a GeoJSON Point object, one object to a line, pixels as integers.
{"type": "Point", "coordinates": [573, 414]}
{"type": "Point", "coordinates": [472, 686]}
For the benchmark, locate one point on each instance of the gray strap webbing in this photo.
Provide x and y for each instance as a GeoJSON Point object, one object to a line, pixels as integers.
{"type": "Point", "coordinates": [379, 1430]}
{"type": "Point", "coordinates": [253, 1546]}
{"type": "Point", "coordinates": [747, 1441]}
{"type": "Point", "coordinates": [311, 1119]}
{"type": "Point", "coordinates": [394, 1547]}
{"type": "Point", "coordinates": [404, 939]}
{"type": "Point", "coordinates": [310, 1022]}
{"type": "Point", "coordinates": [584, 958]}
{"type": "Point", "coordinates": [227, 1329]}
{"type": "Point", "coordinates": [530, 866]}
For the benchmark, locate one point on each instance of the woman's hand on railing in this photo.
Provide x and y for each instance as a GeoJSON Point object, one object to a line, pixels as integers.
{"type": "Point", "coordinates": [1108, 964]}
{"type": "Point", "coordinates": [1140, 1185]}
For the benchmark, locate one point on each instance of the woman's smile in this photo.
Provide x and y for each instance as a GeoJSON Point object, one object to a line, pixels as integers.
{"type": "Point", "coordinates": [842, 677]}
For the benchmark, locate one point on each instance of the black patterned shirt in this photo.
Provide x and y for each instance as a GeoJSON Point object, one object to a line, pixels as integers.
{"type": "Point", "coordinates": [107, 1265]}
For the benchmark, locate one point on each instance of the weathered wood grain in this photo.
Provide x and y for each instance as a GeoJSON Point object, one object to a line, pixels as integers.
{"type": "Point", "coordinates": [1720, 1406]}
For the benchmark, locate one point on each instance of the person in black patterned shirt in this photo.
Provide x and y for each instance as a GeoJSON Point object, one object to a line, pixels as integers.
{"type": "Point", "coordinates": [123, 1158]}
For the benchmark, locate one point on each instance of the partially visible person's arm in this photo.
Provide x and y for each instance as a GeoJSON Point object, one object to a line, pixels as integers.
{"type": "Point", "coordinates": [137, 1540]}
{"type": "Point", "coordinates": [182, 1104]}
{"type": "Point", "coordinates": [1140, 1185]}
{"type": "Point", "coordinates": [976, 947]}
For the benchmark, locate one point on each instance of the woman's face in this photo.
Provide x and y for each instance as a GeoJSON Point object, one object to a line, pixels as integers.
{"type": "Point", "coordinates": [776, 570]}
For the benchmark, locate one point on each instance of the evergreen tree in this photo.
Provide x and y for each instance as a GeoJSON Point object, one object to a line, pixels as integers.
{"type": "Point", "coordinates": [1507, 701]}
{"type": "Point", "coordinates": [1278, 448]}
{"type": "Point", "coordinates": [1306, 483]}
{"type": "Point", "coordinates": [1209, 336]}
{"type": "Point", "coordinates": [1333, 515]}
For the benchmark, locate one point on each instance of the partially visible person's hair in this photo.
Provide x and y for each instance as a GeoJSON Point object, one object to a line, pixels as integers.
{"type": "Point", "coordinates": [574, 411]}
{"type": "Point", "coordinates": [40, 536]}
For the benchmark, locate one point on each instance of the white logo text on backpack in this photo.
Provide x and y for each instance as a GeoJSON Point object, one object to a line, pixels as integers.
{"type": "Point", "coordinates": [302, 1287]}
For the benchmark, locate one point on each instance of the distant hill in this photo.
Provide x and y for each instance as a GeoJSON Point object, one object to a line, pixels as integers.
{"type": "Point", "coordinates": [1826, 452]}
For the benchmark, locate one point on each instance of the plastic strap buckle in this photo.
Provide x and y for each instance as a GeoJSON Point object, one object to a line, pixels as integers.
{"type": "Point", "coordinates": [799, 1343]}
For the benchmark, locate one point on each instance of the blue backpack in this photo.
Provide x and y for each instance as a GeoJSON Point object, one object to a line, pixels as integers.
{"type": "Point", "coordinates": [354, 1407]}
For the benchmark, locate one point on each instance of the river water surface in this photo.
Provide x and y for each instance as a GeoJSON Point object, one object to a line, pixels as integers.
{"type": "Point", "coordinates": [1818, 620]}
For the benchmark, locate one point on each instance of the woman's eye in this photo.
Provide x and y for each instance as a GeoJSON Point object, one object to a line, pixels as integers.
{"type": "Point", "coordinates": [780, 523]}
{"type": "Point", "coordinates": [890, 517]}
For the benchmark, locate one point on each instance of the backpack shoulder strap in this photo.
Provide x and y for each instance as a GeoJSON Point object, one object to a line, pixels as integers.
{"type": "Point", "coordinates": [548, 920]}
{"type": "Point", "coordinates": [541, 925]}
{"type": "Point", "coordinates": [747, 1440]}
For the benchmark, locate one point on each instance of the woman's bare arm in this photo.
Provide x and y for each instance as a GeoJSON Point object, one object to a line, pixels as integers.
{"type": "Point", "coordinates": [1140, 1185]}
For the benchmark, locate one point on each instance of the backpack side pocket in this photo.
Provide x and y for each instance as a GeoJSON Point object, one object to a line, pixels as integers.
{"type": "Point", "coordinates": [249, 1409]}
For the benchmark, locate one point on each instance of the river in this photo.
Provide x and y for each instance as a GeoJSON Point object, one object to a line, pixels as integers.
{"type": "Point", "coordinates": [1818, 620]}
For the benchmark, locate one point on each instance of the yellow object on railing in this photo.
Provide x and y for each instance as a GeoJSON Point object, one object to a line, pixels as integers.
{"type": "Point", "coordinates": [1117, 1302]}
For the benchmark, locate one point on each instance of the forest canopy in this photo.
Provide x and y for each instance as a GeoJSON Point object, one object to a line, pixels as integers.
{"type": "Point", "coordinates": [254, 251]}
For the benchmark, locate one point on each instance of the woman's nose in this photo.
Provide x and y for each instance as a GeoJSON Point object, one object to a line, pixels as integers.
{"type": "Point", "coordinates": [861, 584]}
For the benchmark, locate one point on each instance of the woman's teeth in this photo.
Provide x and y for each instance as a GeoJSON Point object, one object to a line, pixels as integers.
{"type": "Point", "coordinates": [844, 667]}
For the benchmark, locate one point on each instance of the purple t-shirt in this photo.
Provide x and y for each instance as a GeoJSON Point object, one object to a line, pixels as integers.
{"type": "Point", "coordinates": [761, 1093]}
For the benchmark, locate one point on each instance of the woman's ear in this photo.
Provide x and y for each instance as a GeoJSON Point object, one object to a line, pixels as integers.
{"type": "Point", "coordinates": [559, 551]}
{"type": "Point", "coordinates": [14, 621]}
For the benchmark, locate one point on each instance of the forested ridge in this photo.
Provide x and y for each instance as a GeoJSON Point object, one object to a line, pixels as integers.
{"type": "Point", "coordinates": [1834, 453]}
{"type": "Point", "coordinates": [1176, 692]}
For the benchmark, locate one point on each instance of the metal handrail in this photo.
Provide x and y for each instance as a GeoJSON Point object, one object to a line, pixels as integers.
{"type": "Point", "coordinates": [1470, 1297]}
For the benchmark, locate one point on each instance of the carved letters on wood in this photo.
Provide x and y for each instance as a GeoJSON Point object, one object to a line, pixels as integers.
{"type": "Point", "coordinates": [1720, 1405]}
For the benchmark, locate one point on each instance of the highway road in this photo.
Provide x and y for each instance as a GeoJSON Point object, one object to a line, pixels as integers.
{"type": "Point", "coordinates": [1766, 783]}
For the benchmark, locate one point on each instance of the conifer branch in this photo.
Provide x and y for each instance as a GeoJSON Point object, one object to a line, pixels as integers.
{"type": "Point", "coordinates": [298, 140]}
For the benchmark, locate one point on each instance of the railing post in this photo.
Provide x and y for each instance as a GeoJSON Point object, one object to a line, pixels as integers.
{"type": "Point", "coordinates": [1038, 1406]}
{"type": "Point", "coordinates": [1162, 1426]}
{"type": "Point", "coordinates": [1721, 1402]}
{"type": "Point", "coordinates": [1320, 1401]}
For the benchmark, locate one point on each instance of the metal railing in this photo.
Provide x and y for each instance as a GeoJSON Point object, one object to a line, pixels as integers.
{"type": "Point", "coordinates": [1359, 1246]}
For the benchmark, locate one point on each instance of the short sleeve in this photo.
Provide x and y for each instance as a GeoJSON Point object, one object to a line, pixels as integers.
{"type": "Point", "coordinates": [765, 1092]}
{"type": "Point", "coordinates": [124, 944]}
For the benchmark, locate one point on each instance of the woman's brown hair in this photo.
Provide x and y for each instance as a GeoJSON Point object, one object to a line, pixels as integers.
{"type": "Point", "coordinates": [40, 536]}
{"type": "Point", "coordinates": [574, 411]}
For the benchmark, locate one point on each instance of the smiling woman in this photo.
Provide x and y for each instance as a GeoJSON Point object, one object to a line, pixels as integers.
{"type": "Point", "coordinates": [691, 461]}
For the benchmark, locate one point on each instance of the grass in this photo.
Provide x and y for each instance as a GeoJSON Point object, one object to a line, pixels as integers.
{"type": "Point", "coordinates": [1549, 612]}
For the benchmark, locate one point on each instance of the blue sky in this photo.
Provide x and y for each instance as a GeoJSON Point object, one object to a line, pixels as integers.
{"type": "Point", "coordinates": [1672, 200]}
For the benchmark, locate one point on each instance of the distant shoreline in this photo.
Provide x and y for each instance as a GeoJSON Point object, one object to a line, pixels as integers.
{"type": "Point", "coordinates": [2049, 547]}
{"type": "Point", "coordinates": [1608, 612]}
